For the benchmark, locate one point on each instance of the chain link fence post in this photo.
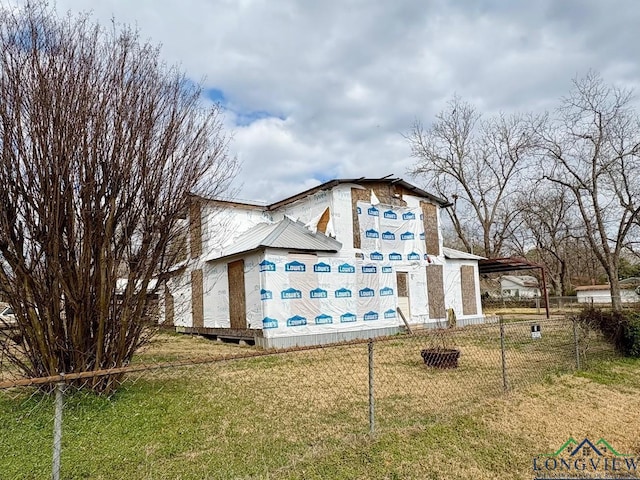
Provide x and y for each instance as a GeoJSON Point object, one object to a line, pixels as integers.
{"type": "Point", "coordinates": [57, 430]}
{"type": "Point", "coordinates": [576, 341]}
{"type": "Point", "coordinates": [371, 395]}
{"type": "Point", "coordinates": [505, 381]}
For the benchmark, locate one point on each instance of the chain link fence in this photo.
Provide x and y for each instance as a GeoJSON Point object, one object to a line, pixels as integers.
{"type": "Point", "coordinates": [190, 407]}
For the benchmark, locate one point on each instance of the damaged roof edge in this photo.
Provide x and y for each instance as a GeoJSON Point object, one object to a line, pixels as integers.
{"type": "Point", "coordinates": [340, 181]}
{"type": "Point", "coordinates": [443, 203]}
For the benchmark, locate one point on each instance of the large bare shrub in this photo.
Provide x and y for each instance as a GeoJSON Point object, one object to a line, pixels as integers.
{"type": "Point", "coordinates": [102, 145]}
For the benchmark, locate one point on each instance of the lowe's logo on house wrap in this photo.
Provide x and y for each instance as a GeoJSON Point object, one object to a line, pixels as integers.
{"type": "Point", "coordinates": [387, 269]}
{"type": "Point", "coordinates": [358, 210]}
{"type": "Point", "coordinates": [343, 293]}
{"type": "Point", "coordinates": [295, 266]}
{"type": "Point", "coordinates": [390, 214]}
{"type": "Point", "coordinates": [369, 269]}
{"type": "Point", "coordinates": [269, 323]}
{"type": "Point", "coordinates": [386, 291]}
{"type": "Point", "coordinates": [370, 316]}
{"type": "Point", "coordinates": [371, 233]}
{"type": "Point", "coordinates": [388, 236]}
{"type": "Point", "coordinates": [413, 256]}
{"type": "Point", "coordinates": [318, 293]}
{"type": "Point", "coordinates": [267, 266]}
{"type": "Point", "coordinates": [296, 321]}
{"type": "Point", "coordinates": [421, 235]}
{"type": "Point", "coordinates": [324, 319]}
{"type": "Point", "coordinates": [373, 212]}
{"type": "Point", "coordinates": [390, 313]}
{"type": "Point", "coordinates": [290, 293]}
{"type": "Point", "coordinates": [395, 256]}
{"type": "Point", "coordinates": [266, 294]}
{"type": "Point", "coordinates": [367, 292]}
{"type": "Point", "coordinates": [346, 268]}
{"type": "Point", "coordinates": [376, 256]}
{"type": "Point", "coordinates": [409, 216]}
{"type": "Point", "coordinates": [407, 236]}
{"type": "Point", "coordinates": [322, 268]}
{"type": "Point", "coordinates": [347, 317]}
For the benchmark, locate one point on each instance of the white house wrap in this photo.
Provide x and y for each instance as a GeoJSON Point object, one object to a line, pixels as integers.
{"type": "Point", "coordinates": [273, 274]}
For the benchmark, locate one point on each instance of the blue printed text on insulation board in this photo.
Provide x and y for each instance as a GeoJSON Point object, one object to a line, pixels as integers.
{"type": "Point", "coordinates": [370, 316]}
{"type": "Point", "coordinates": [373, 212]}
{"type": "Point", "coordinates": [395, 256]}
{"type": "Point", "coordinates": [366, 292]}
{"type": "Point", "coordinates": [323, 319]}
{"type": "Point", "coordinates": [408, 216]}
{"type": "Point", "coordinates": [295, 266]}
{"type": "Point", "coordinates": [388, 236]}
{"type": "Point", "coordinates": [347, 317]}
{"type": "Point", "coordinates": [346, 268]}
{"type": "Point", "coordinates": [342, 293]}
{"type": "Point", "coordinates": [390, 314]}
{"type": "Point", "coordinates": [318, 293]}
{"type": "Point", "coordinates": [322, 268]}
{"type": "Point", "coordinates": [290, 293]}
{"type": "Point", "coordinates": [369, 269]}
{"type": "Point", "coordinates": [407, 236]}
{"type": "Point", "coordinates": [267, 266]}
{"type": "Point", "coordinates": [296, 321]}
{"type": "Point", "coordinates": [390, 214]}
{"type": "Point", "coordinates": [376, 256]}
{"type": "Point", "coordinates": [387, 269]}
{"type": "Point", "coordinates": [386, 291]}
{"type": "Point", "coordinates": [269, 323]}
{"type": "Point", "coordinates": [371, 233]}
{"type": "Point", "coordinates": [413, 256]}
{"type": "Point", "coordinates": [266, 294]}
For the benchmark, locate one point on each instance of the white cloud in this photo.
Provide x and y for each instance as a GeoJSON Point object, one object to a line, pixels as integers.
{"type": "Point", "coordinates": [343, 79]}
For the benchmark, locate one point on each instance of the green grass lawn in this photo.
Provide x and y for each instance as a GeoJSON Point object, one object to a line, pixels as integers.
{"type": "Point", "coordinates": [304, 415]}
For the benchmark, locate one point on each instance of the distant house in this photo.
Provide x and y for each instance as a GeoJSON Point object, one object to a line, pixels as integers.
{"type": "Point", "coordinates": [629, 292]}
{"type": "Point", "coordinates": [328, 264]}
{"type": "Point", "coordinates": [521, 286]}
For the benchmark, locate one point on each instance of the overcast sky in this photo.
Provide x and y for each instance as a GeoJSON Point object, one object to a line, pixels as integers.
{"type": "Point", "coordinates": [315, 90]}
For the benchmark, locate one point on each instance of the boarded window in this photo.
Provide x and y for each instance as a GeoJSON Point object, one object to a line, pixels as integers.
{"type": "Point", "coordinates": [195, 229]}
{"type": "Point", "coordinates": [169, 309]}
{"type": "Point", "coordinates": [430, 222]}
{"type": "Point", "coordinates": [197, 303]}
{"type": "Point", "coordinates": [237, 303]}
{"type": "Point", "coordinates": [403, 286]}
{"type": "Point", "coordinates": [468, 287]}
{"type": "Point", "coordinates": [435, 291]}
{"type": "Point", "coordinates": [357, 195]}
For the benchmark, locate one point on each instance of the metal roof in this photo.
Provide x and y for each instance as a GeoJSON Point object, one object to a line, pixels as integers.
{"type": "Point", "coordinates": [286, 234]}
{"type": "Point", "coordinates": [510, 264]}
{"type": "Point", "coordinates": [453, 254]}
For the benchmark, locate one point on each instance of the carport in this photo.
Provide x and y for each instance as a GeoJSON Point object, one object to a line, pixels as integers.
{"type": "Point", "coordinates": [514, 264]}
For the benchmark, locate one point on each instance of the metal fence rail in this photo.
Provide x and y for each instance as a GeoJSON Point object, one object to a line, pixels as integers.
{"type": "Point", "coordinates": [210, 400]}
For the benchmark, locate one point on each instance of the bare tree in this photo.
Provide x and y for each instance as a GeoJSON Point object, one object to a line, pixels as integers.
{"type": "Point", "coordinates": [591, 148]}
{"type": "Point", "coordinates": [101, 145]}
{"type": "Point", "coordinates": [477, 166]}
{"type": "Point", "coordinates": [550, 224]}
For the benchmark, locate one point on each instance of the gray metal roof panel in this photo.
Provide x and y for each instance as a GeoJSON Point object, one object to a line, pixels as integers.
{"type": "Point", "coordinates": [285, 234]}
